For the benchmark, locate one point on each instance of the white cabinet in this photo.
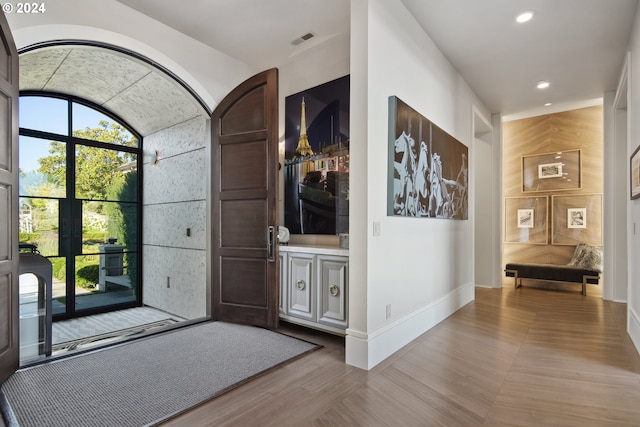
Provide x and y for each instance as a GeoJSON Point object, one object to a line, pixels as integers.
{"type": "Point", "coordinates": [301, 287]}
{"type": "Point", "coordinates": [332, 286]}
{"type": "Point", "coordinates": [313, 287]}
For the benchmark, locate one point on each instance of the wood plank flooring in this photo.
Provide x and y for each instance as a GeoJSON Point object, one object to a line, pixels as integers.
{"type": "Point", "coordinates": [514, 357]}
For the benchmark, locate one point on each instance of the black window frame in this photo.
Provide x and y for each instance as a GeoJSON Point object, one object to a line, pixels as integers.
{"type": "Point", "coordinates": [71, 143]}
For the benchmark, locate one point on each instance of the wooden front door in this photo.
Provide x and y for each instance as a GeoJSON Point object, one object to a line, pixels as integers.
{"type": "Point", "coordinates": [244, 203]}
{"type": "Point", "coordinates": [9, 303]}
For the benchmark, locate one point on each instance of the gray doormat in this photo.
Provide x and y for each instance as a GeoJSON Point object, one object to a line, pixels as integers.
{"type": "Point", "coordinates": [147, 380]}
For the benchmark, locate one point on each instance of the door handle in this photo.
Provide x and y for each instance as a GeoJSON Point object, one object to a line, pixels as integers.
{"type": "Point", "coordinates": [271, 243]}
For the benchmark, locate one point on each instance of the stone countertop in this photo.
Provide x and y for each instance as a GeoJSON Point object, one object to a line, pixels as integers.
{"type": "Point", "coordinates": [315, 249]}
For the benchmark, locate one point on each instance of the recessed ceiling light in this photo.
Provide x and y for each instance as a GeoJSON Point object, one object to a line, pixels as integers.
{"type": "Point", "coordinates": [548, 104]}
{"type": "Point", "coordinates": [525, 16]}
{"type": "Point", "coordinates": [543, 84]}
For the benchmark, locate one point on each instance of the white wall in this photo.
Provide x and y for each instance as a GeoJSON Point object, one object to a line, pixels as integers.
{"type": "Point", "coordinates": [422, 268]}
{"type": "Point", "coordinates": [633, 206]}
{"type": "Point", "coordinates": [616, 192]}
{"type": "Point", "coordinates": [486, 192]}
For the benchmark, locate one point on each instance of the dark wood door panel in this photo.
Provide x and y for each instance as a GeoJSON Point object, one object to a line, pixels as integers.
{"type": "Point", "coordinates": [245, 224]}
{"type": "Point", "coordinates": [246, 114]}
{"type": "Point", "coordinates": [6, 150]}
{"type": "Point", "coordinates": [245, 272]}
{"type": "Point", "coordinates": [6, 306]}
{"type": "Point", "coordinates": [244, 187]}
{"type": "Point", "coordinates": [6, 205]}
{"type": "Point", "coordinates": [243, 166]}
{"type": "Point", "coordinates": [9, 287]}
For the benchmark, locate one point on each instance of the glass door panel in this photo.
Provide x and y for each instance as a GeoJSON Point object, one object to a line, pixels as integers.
{"type": "Point", "coordinates": [105, 174]}
{"type": "Point", "coordinates": [103, 280]}
{"type": "Point", "coordinates": [109, 222]}
{"type": "Point", "coordinates": [85, 279]}
{"type": "Point", "coordinates": [106, 272]}
{"type": "Point", "coordinates": [96, 126]}
{"type": "Point", "coordinates": [40, 224]}
{"type": "Point", "coordinates": [79, 203]}
{"type": "Point", "coordinates": [59, 290]}
{"type": "Point", "coordinates": [45, 114]}
{"type": "Point", "coordinates": [42, 167]}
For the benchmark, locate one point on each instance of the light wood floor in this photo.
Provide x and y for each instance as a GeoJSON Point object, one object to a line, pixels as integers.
{"type": "Point", "coordinates": [526, 357]}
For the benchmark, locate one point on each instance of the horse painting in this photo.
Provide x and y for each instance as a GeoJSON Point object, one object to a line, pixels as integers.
{"type": "Point", "coordinates": [424, 179]}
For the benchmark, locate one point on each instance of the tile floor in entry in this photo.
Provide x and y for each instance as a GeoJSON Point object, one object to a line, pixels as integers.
{"type": "Point", "coordinates": [98, 329]}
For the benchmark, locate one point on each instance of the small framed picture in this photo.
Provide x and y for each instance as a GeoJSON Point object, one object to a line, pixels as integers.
{"type": "Point", "coordinates": [550, 170]}
{"type": "Point", "coordinates": [525, 218]}
{"type": "Point", "coordinates": [577, 218]}
{"type": "Point", "coordinates": [570, 214]}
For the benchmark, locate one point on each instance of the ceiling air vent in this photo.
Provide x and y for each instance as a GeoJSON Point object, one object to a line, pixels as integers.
{"type": "Point", "coordinates": [302, 39]}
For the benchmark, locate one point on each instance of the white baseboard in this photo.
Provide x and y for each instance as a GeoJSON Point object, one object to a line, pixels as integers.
{"type": "Point", "coordinates": [633, 327]}
{"type": "Point", "coordinates": [366, 350]}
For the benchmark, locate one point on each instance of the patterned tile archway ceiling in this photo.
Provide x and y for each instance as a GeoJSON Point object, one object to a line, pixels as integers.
{"type": "Point", "coordinates": [140, 93]}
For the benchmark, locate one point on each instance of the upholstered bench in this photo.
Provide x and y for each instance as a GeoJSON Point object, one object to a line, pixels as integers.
{"type": "Point", "coordinates": [584, 267]}
{"type": "Point", "coordinates": [552, 272]}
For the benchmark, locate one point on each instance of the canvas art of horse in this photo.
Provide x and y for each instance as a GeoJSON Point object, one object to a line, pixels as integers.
{"type": "Point", "coordinates": [420, 189]}
{"type": "Point", "coordinates": [410, 185]}
{"type": "Point", "coordinates": [424, 180]}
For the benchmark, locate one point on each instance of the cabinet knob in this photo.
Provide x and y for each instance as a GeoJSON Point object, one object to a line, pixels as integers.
{"type": "Point", "coordinates": [300, 285]}
{"type": "Point", "coordinates": [334, 290]}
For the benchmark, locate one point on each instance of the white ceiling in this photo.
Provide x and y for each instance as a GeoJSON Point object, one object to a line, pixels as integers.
{"type": "Point", "coordinates": [578, 45]}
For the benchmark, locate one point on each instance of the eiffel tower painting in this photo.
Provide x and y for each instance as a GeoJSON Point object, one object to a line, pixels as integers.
{"type": "Point", "coordinates": [316, 163]}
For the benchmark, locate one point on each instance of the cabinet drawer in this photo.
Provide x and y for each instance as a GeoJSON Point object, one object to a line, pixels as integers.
{"type": "Point", "coordinates": [332, 298]}
{"type": "Point", "coordinates": [301, 290]}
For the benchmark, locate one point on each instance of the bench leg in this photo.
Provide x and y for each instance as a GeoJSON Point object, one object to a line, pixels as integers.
{"type": "Point", "coordinates": [516, 283]}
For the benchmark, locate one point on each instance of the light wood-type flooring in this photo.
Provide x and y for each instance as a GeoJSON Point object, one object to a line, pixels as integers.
{"type": "Point", "coordinates": [525, 357]}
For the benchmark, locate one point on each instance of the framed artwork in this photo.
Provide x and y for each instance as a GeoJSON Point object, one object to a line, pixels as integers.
{"type": "Point", "coordinates": [635, 173]}
{"type": "Point", "coordinates": [576, 218]}
{"type": "Point", "coordinates": [316, 159]}
{"type": "Point", "coordinates": [526, 220]}
{"type": "Point", "coordinates": [427, 168]}
{"type": "Point", "coordinates": [552, 171]}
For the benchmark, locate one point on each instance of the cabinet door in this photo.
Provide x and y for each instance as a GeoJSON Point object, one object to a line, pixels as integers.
{"type": "Point", "coordinates": [332, 299]}
{"type": "Point", "coordinates": [301, 289]}
{"type": "Point", "coordinates": [283, 283]}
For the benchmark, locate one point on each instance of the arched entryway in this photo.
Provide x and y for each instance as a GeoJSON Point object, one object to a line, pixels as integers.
{"type": "Point", "coordinates": [80, 202]}
{"type": "Point", "coordinates": [172, 121]}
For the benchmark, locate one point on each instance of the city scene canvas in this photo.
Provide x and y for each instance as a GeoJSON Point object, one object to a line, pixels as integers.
{"type": "Point", "coordinates": [316, 166]}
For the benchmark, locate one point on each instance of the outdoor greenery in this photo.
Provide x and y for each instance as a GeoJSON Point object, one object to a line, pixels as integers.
{"type": "Point", "coordinates": [96, 169]}
{"type": "Point", "coordinates": [101, 181]}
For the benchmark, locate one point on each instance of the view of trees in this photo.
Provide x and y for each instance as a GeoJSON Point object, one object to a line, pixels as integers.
{"type": "Point", "coordinates": [96, 168]}
{"type": "Point", "coordinates": [103, 181]}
